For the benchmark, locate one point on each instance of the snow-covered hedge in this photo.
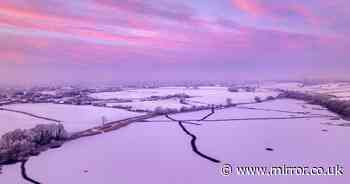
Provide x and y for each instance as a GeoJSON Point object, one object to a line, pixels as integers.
{"type": "Point", "coordinates": [257, 99]}
{"type": "Point", "coordinates": [19, 144]}
{"type": "Point", "coordinates": [347, 111]}
{"type": "Point", "coordinates": [177, 95]}
{"type": "Point", "coordinates": [233, 89]}
{"type": "Point", "coordinates": [161, 110]}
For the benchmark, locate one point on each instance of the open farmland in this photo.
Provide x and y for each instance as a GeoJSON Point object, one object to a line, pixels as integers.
{"type": "Point", "coordinates": [10, 121]}
{"type": "Point", "coordinates": [339, 90]}
{"type": "Point", "coordinates": [181, 97]}
{"type": "Point", "coordinates": [73, 117]}
{"type": "Point", "coordinates": [194, 144]}
{"type": "Point", "coordinates": [158, 150]}
{"type": "Point", "coordinates": [174, 92]}
{"type": "Point", "coordinates": [150, 106]}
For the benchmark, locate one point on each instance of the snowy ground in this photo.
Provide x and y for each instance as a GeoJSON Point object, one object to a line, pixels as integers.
{"type": "Point", "coordinates": [292, 107]}
{"type": "Point", "coordinates": [160, 152]}
{"type": "Point", "coordinates": [202, 96]}
{"type": "Point", "coordinates": [11, 174]}
{"type": "Point", "coordinates": [10, 121]}
{"type": "Point", "coordinates": [53, 93]}
{"type": "Point", "coordinates": [73, 117]}
{"type": "Point", "coordinates": [340, 90]}
{"type": "Point", "coordinates": [282, 85]}
{"type": "Point", "coordinates": [173, 103]}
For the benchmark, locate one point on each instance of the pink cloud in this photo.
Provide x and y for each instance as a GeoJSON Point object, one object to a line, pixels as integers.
{"type": "Point", "coordinates": [250, 7]}
{"type": "Point", "coordinates": [278, 11]}
{"type": "Point", "coordinates": [155, 31]}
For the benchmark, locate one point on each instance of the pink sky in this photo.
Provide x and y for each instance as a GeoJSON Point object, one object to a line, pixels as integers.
{"type": "Point", "coordinates": [132, 40]}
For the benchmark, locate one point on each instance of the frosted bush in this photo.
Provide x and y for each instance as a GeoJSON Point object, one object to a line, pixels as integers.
{"type": "Point", "coordinates": [19, 144]}
{"type": "Point", "coordinates": [257, 99]}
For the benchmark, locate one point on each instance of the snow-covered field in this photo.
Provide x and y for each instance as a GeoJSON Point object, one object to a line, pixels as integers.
{"type": "Point", "coordinates": [292, 106]}
{"type": "Point", "coordinates": [160, 152]}
{"type": "Point", "coordinates": [10, 121]}
{"type": "Point", "coordinates": [173, 103]}
{"type": "Point", "coordinates": [329, 87]}
{"type": "Point", "coordinates": [340, 90]}
{"type": "Point", "coordinates": [202, 96]}
{"type": "Point", "coordinates": [73, 117]}
{"type": "Point", "coordinates": [336, 89]}
{"type": "Point", "coordinates": [11, 174]}
{"type": "Point", "coordinates": [53, 93]}
{"type": "Point", "coordinates": [282, 85]}
{"type": "Point", "coordinates": [221, 97]}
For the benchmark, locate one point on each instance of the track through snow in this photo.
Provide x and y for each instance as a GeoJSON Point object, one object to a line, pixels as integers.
{"type": "Point", "coordinates": [194, 146]}
{"type": "Point", "coordinates": [24, 173]}
{"type": "Point", "coordinates": [194, 137]}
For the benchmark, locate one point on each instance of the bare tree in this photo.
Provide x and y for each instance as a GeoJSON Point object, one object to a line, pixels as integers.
{"type": "Point", "coordinates": [228, 101]}
{"type": "Point", "coordinates": [104, 120]}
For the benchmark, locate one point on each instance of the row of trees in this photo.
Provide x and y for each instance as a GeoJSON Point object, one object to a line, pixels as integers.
{"type": "Point", "coordinates": [178, 95]}
{"type": "Point", "coordinates": [338, 106]}
{"type": "Point", "coordinates": [229, 102]}
{"type": "Point", "coordinates": [20, 144]}
{"type": "Point", "coordinates": [166, 110]}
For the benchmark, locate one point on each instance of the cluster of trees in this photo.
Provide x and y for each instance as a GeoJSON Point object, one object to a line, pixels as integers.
{"type": "Point", "coordinates": [166, 110]}
{"type": "Point", "coordinates": [19, 144]}
{"type": "Point", "coordinates": [233, 89]}
{"type": "Point", "coordinates": [2, 96]}
{"type": "Point", "coordinates": [259, 100]}
{"type": "Point", "coordinates": [338, 106]}
{"type": "Point", "coordinates": [236, 89]}
{"type": "Point", "coordinates": [161, 110]}
{"type": "Point", "coordinates": [178, 95]}
{"type": "Point", "coordinates": [229, 102]}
